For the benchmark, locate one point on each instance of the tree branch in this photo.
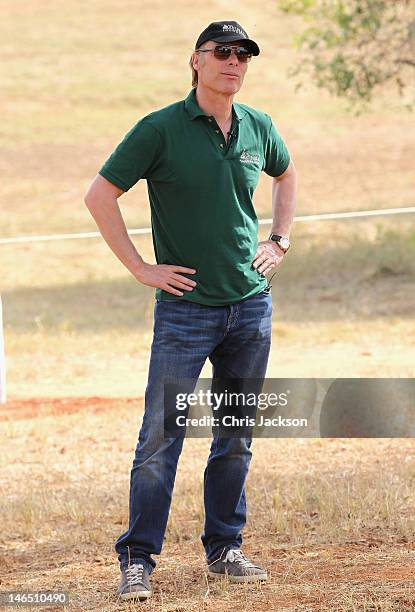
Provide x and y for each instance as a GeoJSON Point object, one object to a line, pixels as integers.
{"type": "Point", "coordinates": [406, 61]}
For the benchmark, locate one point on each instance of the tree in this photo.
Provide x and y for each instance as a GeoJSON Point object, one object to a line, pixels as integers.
{"type": "Point", "coordinates": [355, 48]}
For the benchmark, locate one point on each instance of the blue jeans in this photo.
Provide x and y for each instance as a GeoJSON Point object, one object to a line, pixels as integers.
{"type": "Point", "coordinates": [237, 339]}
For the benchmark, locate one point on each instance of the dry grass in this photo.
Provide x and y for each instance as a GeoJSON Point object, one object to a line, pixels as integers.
{"type": "Point", "coordinates": [75, 79]}
{"type": "Point", "coordinates": [332, 520]}
{"type": "Point", "coordinates": [338, 302]}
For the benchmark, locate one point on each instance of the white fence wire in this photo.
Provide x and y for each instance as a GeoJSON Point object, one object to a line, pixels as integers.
{"type": "Point", "coordinates": [147, 230]}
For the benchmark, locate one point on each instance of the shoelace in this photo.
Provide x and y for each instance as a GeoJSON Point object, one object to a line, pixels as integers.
{"type": "Point", "coordinates": [236, 556]}
{"type": "Point", "coordinates": [134, 573]}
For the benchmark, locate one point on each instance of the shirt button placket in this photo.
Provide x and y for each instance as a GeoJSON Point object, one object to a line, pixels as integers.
{"type": "Point", "coordinates": [210, 119]}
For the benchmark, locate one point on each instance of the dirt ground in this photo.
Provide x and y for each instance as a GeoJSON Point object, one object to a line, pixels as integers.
{"type": "Point", "coordinates": [332, 520]}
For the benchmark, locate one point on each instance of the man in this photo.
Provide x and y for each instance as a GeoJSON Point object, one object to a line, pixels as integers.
{"type": "Point", "coordinates": [202, 158]}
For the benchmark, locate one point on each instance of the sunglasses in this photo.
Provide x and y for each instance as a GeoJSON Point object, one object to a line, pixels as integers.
{"type": "Point", "coordinates": [223, 52]}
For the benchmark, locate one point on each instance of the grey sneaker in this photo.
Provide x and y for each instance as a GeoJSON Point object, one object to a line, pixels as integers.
{"type": "Point", "coordinates": [135, 582]}
{"type": "Point", "coordinates": [237, 567]}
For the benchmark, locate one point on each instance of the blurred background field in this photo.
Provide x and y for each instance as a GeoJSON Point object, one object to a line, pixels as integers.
{"type": "Point", "coordinates": [77, 324]}
{"type": "Point", "coordinates": [77, 78]}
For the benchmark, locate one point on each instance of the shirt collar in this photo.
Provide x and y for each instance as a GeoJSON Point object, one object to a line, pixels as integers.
{"type": "Point", "coordinates": [193, 109]}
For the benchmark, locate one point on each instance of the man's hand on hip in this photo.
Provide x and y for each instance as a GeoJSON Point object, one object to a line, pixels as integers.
{"type": "Point", "coordinates": [268, 256]}
{"type": "Point", "coordinates": [166, 277]}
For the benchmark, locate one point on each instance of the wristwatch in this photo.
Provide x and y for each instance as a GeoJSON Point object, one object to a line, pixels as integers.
{"type": "Point", "coordinates": [282, 241]}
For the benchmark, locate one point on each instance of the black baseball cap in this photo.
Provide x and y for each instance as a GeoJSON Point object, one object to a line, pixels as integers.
{"type": "Point", "coordinates": [227, 31]}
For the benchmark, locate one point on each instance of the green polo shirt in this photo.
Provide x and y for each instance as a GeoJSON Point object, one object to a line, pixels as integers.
{"type": "Point", "coordinates": [200, 189]}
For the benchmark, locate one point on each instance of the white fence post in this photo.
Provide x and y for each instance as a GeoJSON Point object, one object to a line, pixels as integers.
{"type": "Point", "coordinates": [2, 360]}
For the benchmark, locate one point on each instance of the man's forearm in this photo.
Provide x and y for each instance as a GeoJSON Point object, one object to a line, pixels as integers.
{"type": "Point", "coordinates": [284, 193]}
{"type": "Point", "coordinates": [107, 215]}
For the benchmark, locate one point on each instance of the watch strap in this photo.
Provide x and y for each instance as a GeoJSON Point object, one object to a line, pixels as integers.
{"type": "Point", "coordinates": [277, 238]}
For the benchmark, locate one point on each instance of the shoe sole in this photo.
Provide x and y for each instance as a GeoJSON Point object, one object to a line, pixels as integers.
{"type": "Point", "coordinates": [141, 595]}
{"type": "Point", "coordinates": [247, 578]}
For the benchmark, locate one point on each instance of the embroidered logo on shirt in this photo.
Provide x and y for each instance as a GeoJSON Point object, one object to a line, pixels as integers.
{"type": "Point", "coordinates": [249, 158]}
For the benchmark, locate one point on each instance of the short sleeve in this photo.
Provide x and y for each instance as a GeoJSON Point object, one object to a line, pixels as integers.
{"type": "Point", "coordinates": [277, 157]}
{"type": "Point", "coordinates": [137, 156]}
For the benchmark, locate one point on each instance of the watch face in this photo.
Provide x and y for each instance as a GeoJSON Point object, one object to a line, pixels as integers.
{"type": "Point", "coordinates": [284, 242]}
